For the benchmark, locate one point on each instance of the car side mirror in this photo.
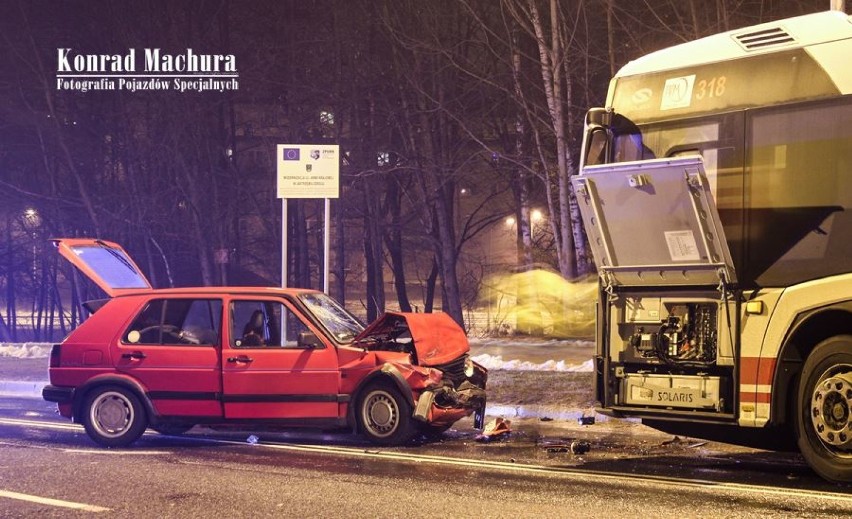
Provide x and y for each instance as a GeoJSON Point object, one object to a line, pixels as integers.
{"type": "Point", "coordinates": [309, 340]}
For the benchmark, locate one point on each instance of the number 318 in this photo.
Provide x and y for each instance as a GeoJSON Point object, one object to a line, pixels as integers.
{"type": "Point", "coordinates": [715, 87]}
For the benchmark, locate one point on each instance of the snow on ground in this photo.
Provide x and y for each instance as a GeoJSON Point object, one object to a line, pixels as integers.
{"type": "Point", "coordinates": [497, 362]}
{"type": "Point", "coordinates": [26, 350]}
{"type": "Point", "coordinates": [528, 354]}
{"type": "Point", "coordinates": [504, 353]}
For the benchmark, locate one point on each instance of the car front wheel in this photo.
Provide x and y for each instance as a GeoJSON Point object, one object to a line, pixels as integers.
{"type": "Point", "coordinates": [384, 416]}
{"type": "Point", "coordinates": [824, 425]}
{"type": "Point", "coordinates": [114, 416]}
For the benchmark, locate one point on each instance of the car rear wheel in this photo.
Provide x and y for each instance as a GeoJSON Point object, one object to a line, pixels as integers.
{"type": "Point", "coordinates": [114, 416]}
{"type": "Point", "coordinates": [384, 416]}
{"type": "Point", "coordinates": [824, 424]}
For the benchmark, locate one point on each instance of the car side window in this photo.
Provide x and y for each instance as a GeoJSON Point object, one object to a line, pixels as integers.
{"type": "Point", "coordinates": [257, 324]}
{"type": "Point", "coordinates": [177, 321]}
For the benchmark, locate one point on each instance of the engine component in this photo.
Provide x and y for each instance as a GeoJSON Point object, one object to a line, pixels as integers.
{"type": "Point", "coordinates": [692, 392]}
{"type": "Point", "coordinates": [687, 336]}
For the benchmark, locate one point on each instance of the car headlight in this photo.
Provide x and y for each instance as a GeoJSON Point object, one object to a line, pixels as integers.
{"type": "Point", "coordinates": [468, 367]}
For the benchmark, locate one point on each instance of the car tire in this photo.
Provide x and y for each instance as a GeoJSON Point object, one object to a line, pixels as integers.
{"type": "Point", "coordinates": [113, 416]}
{"type": "Point", "coordinates": [384, 416]}
{"type": "Point", "coordinates": [824, 410]}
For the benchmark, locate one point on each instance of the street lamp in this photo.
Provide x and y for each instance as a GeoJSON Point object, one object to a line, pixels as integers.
{"type": "Point", "coordinates": [31, 222]}
{"type": "Point", "coordinates": [535, 216]}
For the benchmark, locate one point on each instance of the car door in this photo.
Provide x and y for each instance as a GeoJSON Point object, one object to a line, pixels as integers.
{"type": "Point", "coordinates": [265, 377]}
{"type": "Point", "coordinates": [172, 348]}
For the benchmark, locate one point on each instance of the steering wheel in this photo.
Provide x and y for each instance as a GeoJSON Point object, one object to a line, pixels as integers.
{"type": "Point", "coordinates": [172, 330]}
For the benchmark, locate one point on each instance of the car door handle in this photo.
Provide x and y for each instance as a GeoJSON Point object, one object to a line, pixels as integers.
{"type": "Point", "coordinates": [136, 355]}
{"type": "Point", "coordinates": [241, 358]}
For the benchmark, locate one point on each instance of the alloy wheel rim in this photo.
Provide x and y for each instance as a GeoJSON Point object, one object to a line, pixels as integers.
{"type": "Point", "coordinates": [381, 414]}
{"type": "Point", "coordinates": [112, 413]}
{"type": "Point", "coordinates": [831, 409]}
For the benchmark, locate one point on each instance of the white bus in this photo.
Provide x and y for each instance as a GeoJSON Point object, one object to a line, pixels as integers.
{"type": "Point", "coordinates": [716, 192]}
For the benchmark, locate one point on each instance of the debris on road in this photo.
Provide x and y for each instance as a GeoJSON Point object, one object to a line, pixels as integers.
{"type": "Point", "coordinates": [673, 441]}
{"type": "Point", "coordinates": [576, 447]}
{"type": "Point", "coordinates": [587, 419]}
{"type": "Point", "coordinates": [494, 430]}
{"type": "Point", "coordinates": [580, 447]}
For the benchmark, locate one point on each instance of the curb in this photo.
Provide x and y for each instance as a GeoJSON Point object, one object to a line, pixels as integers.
{"type": "Point", "coordinates": [22, 388]}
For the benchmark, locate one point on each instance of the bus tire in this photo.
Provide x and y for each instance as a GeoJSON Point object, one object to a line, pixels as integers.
{"type": "Point", "coordinates": [824, 410]}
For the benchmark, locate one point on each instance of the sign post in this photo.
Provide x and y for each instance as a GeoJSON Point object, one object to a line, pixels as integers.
{"type": "Point", "coordinates": [308, 171]}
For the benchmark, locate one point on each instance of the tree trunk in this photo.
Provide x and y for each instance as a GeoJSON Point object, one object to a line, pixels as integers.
{"type": "Point", "coordinates": [393, 239]}
{"type": "Point", "coordinates": [431, 282]}
{"type": "Point", "coordinates": [339, 256]}
{"type": "Point", "coordinates": [551, 73]}
{"type": "Point", "coordinates": [520, 184]}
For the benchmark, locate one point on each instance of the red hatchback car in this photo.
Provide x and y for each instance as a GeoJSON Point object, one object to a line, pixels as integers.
{"type": "Point", "coordinates": [169, 359]}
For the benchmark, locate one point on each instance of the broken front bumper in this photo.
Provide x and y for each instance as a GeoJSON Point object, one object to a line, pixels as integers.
{"type": "Point", "coordinates": [445, 405]}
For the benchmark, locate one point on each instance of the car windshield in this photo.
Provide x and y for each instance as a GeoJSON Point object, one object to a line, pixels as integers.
{"type": "Point", "coordinates": [342, 325]}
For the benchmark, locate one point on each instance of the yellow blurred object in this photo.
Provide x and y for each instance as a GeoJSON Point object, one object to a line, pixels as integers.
{"type": "Point", "coordinates": [543, 303]}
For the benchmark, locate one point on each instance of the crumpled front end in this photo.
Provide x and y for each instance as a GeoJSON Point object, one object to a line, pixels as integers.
{"type": "Point", "coordinates": [459, 394]}
{"type": "Point", "coordinates": [446, 384]}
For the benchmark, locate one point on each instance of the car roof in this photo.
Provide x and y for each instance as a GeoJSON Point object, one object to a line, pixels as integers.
{"type": "Point", "coordinates": [219, 291]}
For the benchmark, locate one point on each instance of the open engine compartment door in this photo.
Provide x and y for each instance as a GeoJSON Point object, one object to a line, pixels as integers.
{"type": "Point", "coordinates": [654, 223]}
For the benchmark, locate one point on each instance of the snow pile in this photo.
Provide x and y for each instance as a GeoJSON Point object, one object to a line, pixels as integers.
{"type": "Point", "coordinates": [496, 362]}
{"type": "Point", "coordinates": [528, 342]}
{"type": "Point", "coordinates": [27, 350]}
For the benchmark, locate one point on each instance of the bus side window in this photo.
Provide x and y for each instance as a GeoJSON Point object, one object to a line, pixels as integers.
{"type": "Point", "coordinates": [629, 147]}
{"type": "Point", "coordinates": [710, 156]}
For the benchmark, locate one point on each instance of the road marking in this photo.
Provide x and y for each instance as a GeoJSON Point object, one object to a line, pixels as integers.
{"type": "Point", "coordinates": [582, 474]}
{"type": "Point", "coordinates": [52, 502]}
{"type": "Point", "coordinates": [41, 425]}
{"type": "Point", "coordinates": [500, 465]}
{"type": "Point", "coordinates": [79, 428]}
{"type": "Point", "coordinates": [113, 452]}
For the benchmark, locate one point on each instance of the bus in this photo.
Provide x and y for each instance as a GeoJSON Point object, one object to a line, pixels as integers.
{"type": "Point", "coordinates": [715, 189]}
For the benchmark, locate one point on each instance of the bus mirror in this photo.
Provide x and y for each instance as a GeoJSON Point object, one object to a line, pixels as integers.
{"type": "Point", "coordinates": [599, 117]}
{"type": "Point", "coordinates": [595, 146]}
{"type": "Point", "coordinates": [596, 137]}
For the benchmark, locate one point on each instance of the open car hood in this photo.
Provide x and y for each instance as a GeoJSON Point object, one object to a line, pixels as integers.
{"type": "Point", "coordinates": [435, 338]}
{"type": "Point", "coordinates": [654, 223]}
{"type": "Point", "coordinates": [105, 263]}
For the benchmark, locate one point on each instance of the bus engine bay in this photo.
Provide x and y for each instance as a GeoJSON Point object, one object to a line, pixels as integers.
{"type": "Point", "coordinates": [669, 352]}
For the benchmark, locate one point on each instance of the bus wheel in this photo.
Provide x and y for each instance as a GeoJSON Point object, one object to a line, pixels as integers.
{"type": "Point", "coordinates": [824, 416]}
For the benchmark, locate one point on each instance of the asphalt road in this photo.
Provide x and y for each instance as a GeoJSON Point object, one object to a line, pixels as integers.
{"type": "Point", "coordinates": [628, 472]}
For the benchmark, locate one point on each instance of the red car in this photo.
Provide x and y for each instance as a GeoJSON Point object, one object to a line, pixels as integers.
{"type": "Point", "coordinates": [169, 359]}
